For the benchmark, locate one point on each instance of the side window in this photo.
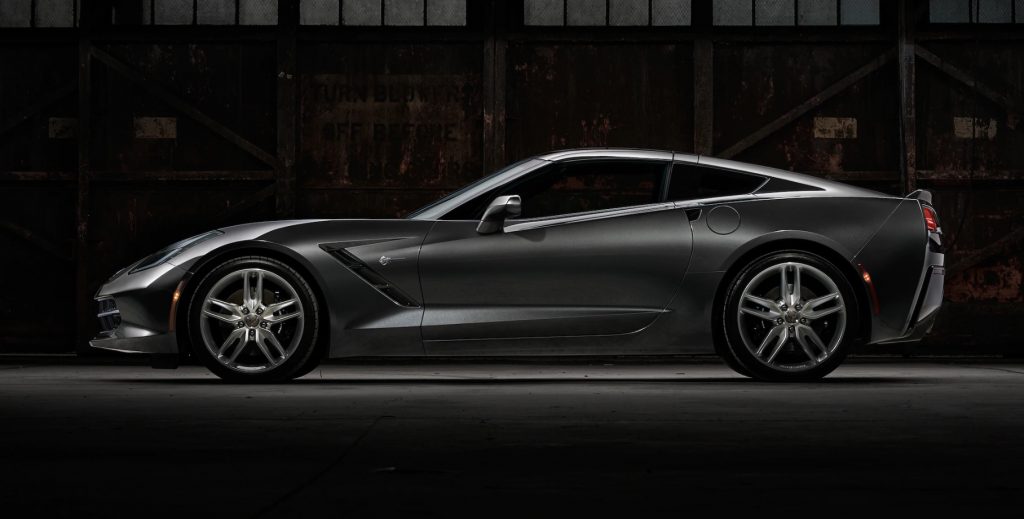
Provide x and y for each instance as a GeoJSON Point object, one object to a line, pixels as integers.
{"type": "Point", "coordinates": [691, 182]}
{"type": "Point", "coordinates": [588, 185]}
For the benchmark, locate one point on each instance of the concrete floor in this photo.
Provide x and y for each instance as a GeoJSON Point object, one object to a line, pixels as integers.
{"type": "Point", "coordinates": [501, 439]}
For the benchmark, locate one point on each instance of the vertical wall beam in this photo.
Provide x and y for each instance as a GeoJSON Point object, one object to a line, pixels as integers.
{"type": "Point", "coordinates": [83, 203]}
{"type": "Point", "coordinates": [494, 83]}
{"type": "Point", "coordinates": [703, 96]}
{"type": "Point", "coordinates": [703, 77]}
{"type": "Point", "coordinates": [907, 22]}
{"type": "Point", "coordinates": [287, 107]}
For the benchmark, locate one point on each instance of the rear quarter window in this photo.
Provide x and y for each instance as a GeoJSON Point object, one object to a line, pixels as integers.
{"type": "Point", "coordinates": [693, 182]}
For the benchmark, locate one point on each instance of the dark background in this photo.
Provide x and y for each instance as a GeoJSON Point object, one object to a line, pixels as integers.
{"type": "Point", "coordinates": [126, 125]}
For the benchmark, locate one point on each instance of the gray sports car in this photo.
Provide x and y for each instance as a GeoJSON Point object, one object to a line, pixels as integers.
{"type": "Point", "coordinates": [595, 251]}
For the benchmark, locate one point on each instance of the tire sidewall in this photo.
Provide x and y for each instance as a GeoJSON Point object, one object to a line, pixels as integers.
{"type": "Point", "coordinates": [307, 343]}
{"type": "Point", "coordinates": [730, 328]}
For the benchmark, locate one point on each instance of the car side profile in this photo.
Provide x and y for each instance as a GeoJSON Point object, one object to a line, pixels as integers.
{"type": "Point", "coordinates": [576, 252]}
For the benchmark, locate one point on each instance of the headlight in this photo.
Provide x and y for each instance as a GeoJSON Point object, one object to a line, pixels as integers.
{"type": "Point", "coordinates": [161, 256]}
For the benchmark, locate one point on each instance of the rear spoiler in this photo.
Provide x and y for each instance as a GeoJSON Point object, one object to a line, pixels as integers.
{"type": "Point", "coordinates": [922, 195]}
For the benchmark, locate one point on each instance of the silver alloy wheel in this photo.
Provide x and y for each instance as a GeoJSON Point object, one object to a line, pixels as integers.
{"type": "Point", "coordinates": [251, 320]}
{"type": "Point", "coordinates": [781, 323]}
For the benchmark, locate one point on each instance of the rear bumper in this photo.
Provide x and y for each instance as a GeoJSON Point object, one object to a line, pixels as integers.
{"type": "Point", "coordinates": [929, 300]}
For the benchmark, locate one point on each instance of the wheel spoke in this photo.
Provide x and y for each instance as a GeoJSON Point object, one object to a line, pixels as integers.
{"type": "Point", "coordinates": [246, 290]}
{"type": "Point", "coordinates": [818, 314]}
{"type": "Point", "coordinates": [767, 316]}
{"type": "Point", "coordinates": [812, 337]}
{"type": "Point", "coordinates": [269, 337]}
{"type": "Point", "coordinates": [772, 335]}
{"type": "Point", "coordinates": [257, 298]}
{"type": "Point", "coordinates": [281, 318]}
{"type": "Point", "coordinates": [232, 338]}
{"type": "Point", "coordinates": [261, 344]}
{"type": "Point", "coordinates": [224, 304]}
{"type": "Point", "coordinates": [813, 303]}
{"type": "Point", "coordinates": [222, 317]}
{"type": "Point", "coordinates": [784, 284]}
{"type": "Point", "coordinates": [281, 305]}
{"type": "Point", "coordinates": [801, 339]}
{"type": "Point", "coordinates": [241, 346]}
{"type": "Point", "coordinates": [767, 303]}
{"type": "Point", "coordinates": [796, 284]}
{"type": "Point", "coordinates": [783, 337]}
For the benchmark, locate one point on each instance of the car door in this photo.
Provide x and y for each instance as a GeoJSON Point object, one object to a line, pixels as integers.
{"type": "Point", "coordinates": [595, 252]}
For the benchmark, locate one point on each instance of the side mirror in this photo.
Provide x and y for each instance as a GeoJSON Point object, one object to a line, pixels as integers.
{"type": "Point", "coordinates": [503, 207]}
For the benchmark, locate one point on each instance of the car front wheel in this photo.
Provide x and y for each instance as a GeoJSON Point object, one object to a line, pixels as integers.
{"type": "Point", "coordinates": [789, 316]}
{"type": "Point", "coordinates": [254, 319]}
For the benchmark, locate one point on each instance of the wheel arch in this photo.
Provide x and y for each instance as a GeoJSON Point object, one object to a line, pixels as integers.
{"type": "Point", "coordinates": [212, 259]}
{"type": "Point", "coordinates": [817, 246]}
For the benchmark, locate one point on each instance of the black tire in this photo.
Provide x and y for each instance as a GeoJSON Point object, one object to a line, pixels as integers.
{"type": "Point", "coordinates": [735, 351]}
{"type": "Point", "coordinates": [301, 359]}
{"type": "Point", "coordinates": [314, 362]}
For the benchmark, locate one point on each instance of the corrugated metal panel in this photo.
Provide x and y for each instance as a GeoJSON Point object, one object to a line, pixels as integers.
{"type": "Point", "coordinates": [768, 80]}
{"type": "Point", "coordinates": [563, 96]}
{"type": "Point", "coordinates": [390, 117]}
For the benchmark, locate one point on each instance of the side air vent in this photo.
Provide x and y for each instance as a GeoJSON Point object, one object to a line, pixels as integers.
{"type": "Point", "coordinates": [109, 316]}
{"type": "Point", "coordinates": [371, 277]}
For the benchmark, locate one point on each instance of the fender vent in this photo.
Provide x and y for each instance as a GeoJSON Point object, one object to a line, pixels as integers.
{"type": "Point", "coordinates": [372, 278]}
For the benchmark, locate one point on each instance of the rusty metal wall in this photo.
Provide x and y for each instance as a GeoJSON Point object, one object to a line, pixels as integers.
{"type": "Point", "coordinates": [386, 127]}
{"type": "Point", "coordinates": [117, 140]}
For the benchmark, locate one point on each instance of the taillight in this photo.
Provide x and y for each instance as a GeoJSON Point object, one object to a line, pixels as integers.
{"type": "Point", "coordinates": [931, 219]}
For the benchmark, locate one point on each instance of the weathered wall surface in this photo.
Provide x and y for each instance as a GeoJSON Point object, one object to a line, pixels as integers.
{"type": "Point", "coordinates": [117, 140]}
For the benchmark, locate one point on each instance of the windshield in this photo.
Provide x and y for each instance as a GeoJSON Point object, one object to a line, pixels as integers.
{"type": "Point", "coordinates": [448, 202]}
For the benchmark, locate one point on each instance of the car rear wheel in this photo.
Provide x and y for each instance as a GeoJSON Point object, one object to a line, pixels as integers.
{"type": "Point", "coordinates": [788, 316]}
{"type": "Point", "coordinates": [254, 319]}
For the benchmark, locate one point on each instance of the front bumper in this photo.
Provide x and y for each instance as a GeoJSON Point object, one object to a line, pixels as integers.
{"type": "Point", "coordinates": [161, 344]}
{"type": "Point", "coordinates": [137, 311]}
